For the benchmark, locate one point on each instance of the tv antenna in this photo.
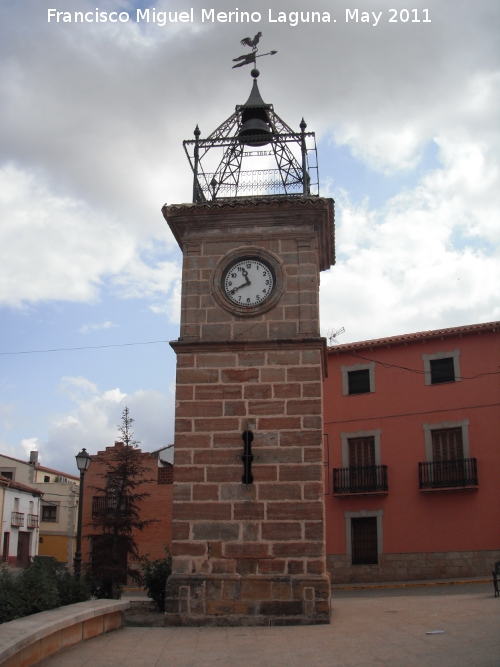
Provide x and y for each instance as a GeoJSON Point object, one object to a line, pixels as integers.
{"type": "Point", "coordinates": [333, 333]}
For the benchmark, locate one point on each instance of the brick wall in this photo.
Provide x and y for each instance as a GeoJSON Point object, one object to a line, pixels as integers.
{"type": "Point", "coordinates": [276, 524]}
{"type": "Point", "coordinates": [166, 474]}
{"type": "Point", "coordinates": [296, 313]}
{"type": "Point", "coordinates": [158, 505]}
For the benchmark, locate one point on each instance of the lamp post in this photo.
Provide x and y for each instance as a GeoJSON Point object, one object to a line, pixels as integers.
{"type": "Point", "coordinates": [82, 462]}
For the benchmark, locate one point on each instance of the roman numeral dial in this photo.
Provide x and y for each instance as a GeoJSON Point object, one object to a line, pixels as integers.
{"type": "Point", "coordinates": [248, 282]}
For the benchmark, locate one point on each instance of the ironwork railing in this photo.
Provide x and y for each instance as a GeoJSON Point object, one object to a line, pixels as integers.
{"type": "Point", "coordinates": [106, 505]}
{"type": "Point", "coordinates": [17, 519]}
{"type": "Point", "coordinates": [455, 474]}
{"type": "Point", "coordinates": [360, 479]}
{"type": "Point", "coordinates": [32, 520]}
{"type": "Point", "coordinates": [257, 183]}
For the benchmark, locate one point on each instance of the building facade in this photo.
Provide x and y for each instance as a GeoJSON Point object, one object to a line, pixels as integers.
{"type": "Point", "coordinates": [59, 505]}
{"type": "Point", "coordinates": [411, 444]}
{"type": "Point", "coordinates": [156, 506]}
{"type": "Point", "coordinates": [20, 512]}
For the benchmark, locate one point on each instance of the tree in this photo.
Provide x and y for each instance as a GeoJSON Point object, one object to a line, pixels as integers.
{"type": "Point", "coordinates": [117, 515]}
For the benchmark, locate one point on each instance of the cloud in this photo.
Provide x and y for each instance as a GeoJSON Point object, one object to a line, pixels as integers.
{"type": "Point", "coordinates": [93, 422]}
{"type": "Point", "coordinates": [94, 115]}
{"type": "Point", "coordinates": [65, 250]}
{"type": "Point", "coordinates": [171, 307]}
{"type": "Point", "coordinates": [86, 328]}
{"type": "Point", "coordinates": [429, 258]}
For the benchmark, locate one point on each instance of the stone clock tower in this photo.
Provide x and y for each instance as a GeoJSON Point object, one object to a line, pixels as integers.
{"type": "Point", "coordinates": [248, 516]}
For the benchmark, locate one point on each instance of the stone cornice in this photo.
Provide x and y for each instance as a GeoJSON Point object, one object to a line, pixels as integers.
{"type": "Point", "coordinates": [190, 347]}
{"type": "Point", "coordinates": [285, 217]}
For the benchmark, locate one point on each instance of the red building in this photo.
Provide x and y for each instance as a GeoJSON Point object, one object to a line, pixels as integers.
{"type": "Point", "coordinates": [411, 426]}
{"type": "Point", "coordinates": [157, 505]}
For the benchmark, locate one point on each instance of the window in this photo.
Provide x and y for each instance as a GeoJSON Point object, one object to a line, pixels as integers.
{"type": "Point", "coordinates": [364, 536]}
{"type": "Point", "coordinates": [361, 470]}
{"type": "Point", "coordinates": [447, 444]}
{"type": "Point", "coordinates": [361, 451]}
{"type": "Point", "coordinates": [447, 441]}
{"type": "Point", "coordinates": [361, 448]}
{"type": "Point", "coordinates": [49, 512]}
{"type": "Point", "coordinates": [358, 379]}
{"type": "Point", "coordinates": [442, 367]}
{"type": "Point", "coordinates": [46, 479]}
{"type": "Point", "coordinates": [364, 541]}
{"type": "Point", "coordinates": [448, 464]}
{"type": "Point", "coordinates": [7, 473]}
{"type": "Point", "coordinates": [359, 382]}
{"type": "Point", "coordinates": [442, 370]}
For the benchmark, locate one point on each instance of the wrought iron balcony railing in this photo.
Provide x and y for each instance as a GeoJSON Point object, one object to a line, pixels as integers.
{"type": "Point", "coordinates": [455, 474]}
{"type": "Point", "coordinates": [360, 479]}
{"type": "Point", "coordinates": [17, 519]}
{"type": "Point", "coordinates": [32, 520]}
{"type": "Point", "coordinates": [107, 505]}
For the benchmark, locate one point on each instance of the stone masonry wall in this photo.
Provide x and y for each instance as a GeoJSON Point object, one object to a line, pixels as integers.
{"type": "Point", "coordinates": [413, 566]}
{"type": "Point", "coordinates": [276, 525]}
{"type": "Point", "coordinates": [296, 313]}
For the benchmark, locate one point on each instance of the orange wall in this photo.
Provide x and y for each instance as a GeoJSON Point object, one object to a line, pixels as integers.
{"type": "Point", "coordinates": [153, 539]}
{"type": "Point", "coordinates": [414, 521]}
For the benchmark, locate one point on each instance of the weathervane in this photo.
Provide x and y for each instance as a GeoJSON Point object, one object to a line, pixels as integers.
{"type": "Point", "coordinates": [285, 163]}
{"type": "Point", "coordinates": [248, 58]}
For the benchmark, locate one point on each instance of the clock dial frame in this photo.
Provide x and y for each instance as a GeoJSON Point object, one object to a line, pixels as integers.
{"type": "Point", "coordinates": [248, 282]}
{"type": "Point", "coordinates": [252, 273]}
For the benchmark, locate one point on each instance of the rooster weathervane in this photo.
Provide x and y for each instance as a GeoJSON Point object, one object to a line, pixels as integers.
{"type": "Point", "coordinates": [248, 58]}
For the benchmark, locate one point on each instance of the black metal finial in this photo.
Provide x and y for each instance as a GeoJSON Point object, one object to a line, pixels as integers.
{"type": "Point", "coordinates": [197, 132]}
{"type": "Point", "coordinates": [248, 58]}
{"type": "Point", "coordinates": [303, 125]}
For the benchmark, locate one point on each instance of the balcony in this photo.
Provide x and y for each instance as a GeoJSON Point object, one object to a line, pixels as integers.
{"type": "Point", "coordinates": [32, 520]}
{"type": "Point", "coordinates": [447, 475]}
{"type": "Point", "coordinates": [360, 480]}
{"type": "Point", "coordinates": [17, 519]}
{"type": "Point", "coordinates": [107, 506]}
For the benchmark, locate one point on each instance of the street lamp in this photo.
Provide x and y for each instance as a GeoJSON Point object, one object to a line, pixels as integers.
{"type": "Point", "coordinates": [82, 462]}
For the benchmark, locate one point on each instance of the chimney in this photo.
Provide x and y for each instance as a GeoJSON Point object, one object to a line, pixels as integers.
{"type": "Point", "coordinates": [34, 457]}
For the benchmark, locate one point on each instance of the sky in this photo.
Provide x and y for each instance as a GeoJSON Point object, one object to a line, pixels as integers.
{"type": "Point", "coordinates": [405, 106]}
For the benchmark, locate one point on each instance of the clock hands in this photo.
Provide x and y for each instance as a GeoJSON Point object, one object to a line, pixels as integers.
{"type": "Point", "coordinates": [245, 275]}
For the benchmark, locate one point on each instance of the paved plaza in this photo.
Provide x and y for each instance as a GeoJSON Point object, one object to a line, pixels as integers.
{"type": "Point", "coordinates": [370, 627]}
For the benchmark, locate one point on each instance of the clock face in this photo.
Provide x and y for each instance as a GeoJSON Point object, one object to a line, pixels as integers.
{"type": "Point", "coordinates": [248, 282]}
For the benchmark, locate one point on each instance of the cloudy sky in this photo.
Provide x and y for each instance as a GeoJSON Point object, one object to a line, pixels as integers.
{"type": "Point", "coordinates": [92, 118]}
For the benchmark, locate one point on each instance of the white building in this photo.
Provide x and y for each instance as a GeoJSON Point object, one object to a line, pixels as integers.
{"type": "Point", "coordinates": [59, 507]}
{"type": "Point", "coordinates": [20, 505]}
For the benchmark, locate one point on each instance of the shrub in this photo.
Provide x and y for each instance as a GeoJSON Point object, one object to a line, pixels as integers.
{"type": "Point", "coordinates": [70, 589]}
{"type": "Point", "coordinates": [38, 588]}
{"type": "Point", "coordinates": [11, 606]}
{"type": "Point", "coordinates": [155, 574]}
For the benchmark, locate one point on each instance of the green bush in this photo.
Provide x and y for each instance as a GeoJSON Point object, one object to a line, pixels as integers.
{"type": "Point", "coordinates": [71, 590]}
{"type": "Point", "coordinates": [38, 588]}
{"type": "Point", "coordinates": [11, 605]}
{"type": "Point", "coordinates": [155, 574]}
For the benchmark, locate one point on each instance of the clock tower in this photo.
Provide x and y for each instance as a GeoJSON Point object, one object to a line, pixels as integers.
{"type": "Point", "coordinates": [248, 515]}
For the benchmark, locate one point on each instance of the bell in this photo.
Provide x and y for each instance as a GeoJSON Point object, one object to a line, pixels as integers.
{"type": "Point", "coordinates": [252, 128]}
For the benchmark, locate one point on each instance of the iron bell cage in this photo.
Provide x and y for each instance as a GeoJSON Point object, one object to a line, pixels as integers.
{"type": "Point", "coordinates": [253, 154]}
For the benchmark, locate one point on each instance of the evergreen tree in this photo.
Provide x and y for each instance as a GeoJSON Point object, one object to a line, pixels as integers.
{"type": "Point", "coordinates": [118, 515]}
